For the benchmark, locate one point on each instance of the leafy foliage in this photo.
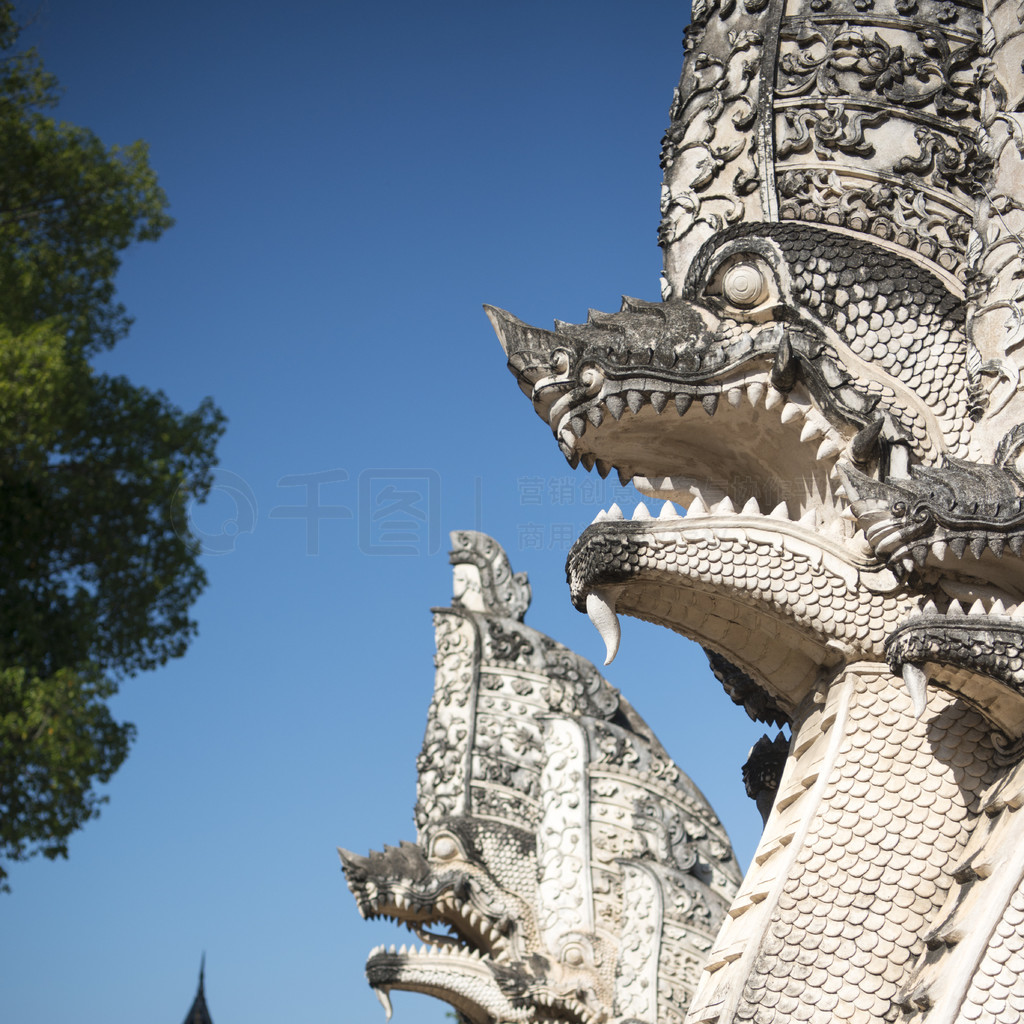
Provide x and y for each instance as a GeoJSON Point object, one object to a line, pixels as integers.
{"type": "Point", "coordinates": [97, 571]}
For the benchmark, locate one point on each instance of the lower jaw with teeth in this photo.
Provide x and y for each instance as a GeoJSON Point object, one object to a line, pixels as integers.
{"type": "Point", "coordinates": [750, 587]}
{"type": "Point", "coordinates": [462, 978]}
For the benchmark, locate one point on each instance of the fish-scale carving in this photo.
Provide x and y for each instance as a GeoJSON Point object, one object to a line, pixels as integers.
{"type": "Point", "coordinates": [885, 791]}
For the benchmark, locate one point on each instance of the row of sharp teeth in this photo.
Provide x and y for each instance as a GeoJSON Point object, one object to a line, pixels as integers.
{"type": "Point", "coordinates": [552, 1002]}
{"type": "Point", "coordinates": [809, 520]}
{"type": "Point", "coordinates": [473, 921]}
{"type": "Point", "coordinates": [406, 903]}
{"type": "Point", "coordinates": [417, 927]}
{"type": "Point", "coordinates": [914, 678]}
{"type": "Point", "coordinates": [601, 600]}
{"type": "Point", "coordinates": [699, 508]}
{"type": "Point", "coordinates": [433, 949]}
{"type": "Point", "coordinates": [557, 1002]}
{"type": "Point", "coordinates": [941, 546]}
{"type": "Point", "coordinates": [814, 426]}
{"type": "Point", "coordinates": [981, 606]}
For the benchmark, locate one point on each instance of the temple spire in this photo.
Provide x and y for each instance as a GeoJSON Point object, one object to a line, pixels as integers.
{"type": "Point", "coordinates": [198, 1013]}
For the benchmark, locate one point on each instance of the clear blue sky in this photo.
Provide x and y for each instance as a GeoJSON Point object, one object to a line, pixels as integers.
{"type": "Point", "coordinates": [350, 182]}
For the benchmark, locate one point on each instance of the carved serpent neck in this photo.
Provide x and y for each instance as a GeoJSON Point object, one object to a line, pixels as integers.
{"type": "Point", "coordinates": [872, 814]}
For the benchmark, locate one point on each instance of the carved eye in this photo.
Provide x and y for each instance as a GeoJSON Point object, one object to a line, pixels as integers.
{"type": "Point", "coordinates": [744, 285]}
{"type": "Point", "coordinates": [445, 848]}
{"type": "Point", "coordinates": [573, 956]}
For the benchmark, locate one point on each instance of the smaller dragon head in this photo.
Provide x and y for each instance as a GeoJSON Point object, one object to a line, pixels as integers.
{"type": "Point", "coordinates": [451, 905]}
{"type": "Point", "coordinates": [565, 868]}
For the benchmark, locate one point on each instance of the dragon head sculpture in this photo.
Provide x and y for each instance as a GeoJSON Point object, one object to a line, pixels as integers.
{"type": "Point", "coordinates": [565, 869]}
{"type": "Point", "coordinates": [833, 371]}
{"type": "Point", "coordinates": [830, 388]}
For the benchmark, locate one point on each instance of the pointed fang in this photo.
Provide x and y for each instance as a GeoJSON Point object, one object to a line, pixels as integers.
{"type": "Point", "coordinates": [864, 446]}
{"type": "Point", "coordinates": [385, 1001]}
{"type": "Point", "coordinates": [601, 612]}
{"type": "Point", "coordinates": [783, 373]}
{"type": "Point", "coordinates": [916, 683]}
{"type": "Point", "coordinates": [698, 507]}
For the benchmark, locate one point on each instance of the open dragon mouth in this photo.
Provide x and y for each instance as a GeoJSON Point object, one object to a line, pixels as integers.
{"type": "Point", "coordinates": [482, 991]}
{"type": "Point", "coordinates": [778, 448]}
{"type": "Point", "coordinates": [482, 981]}
{"type": "Point", "coordinates": [461, 956]}
{"type": "Point", "coordinates": [459, 944]}
{"type": "Point", "coordinates": [740, 573]}
{"type": "Point", "coordinates": [463, 928]}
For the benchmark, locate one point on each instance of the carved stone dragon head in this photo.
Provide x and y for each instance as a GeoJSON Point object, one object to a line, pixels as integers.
{"type": "Point", "coordinates": [833, 374]}
{"type": "Point", "coordinates": [565, 868]}
{"type": "Point", "coordinates": [830, 387]}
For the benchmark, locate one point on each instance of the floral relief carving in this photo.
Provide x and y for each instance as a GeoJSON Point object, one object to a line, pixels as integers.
{"type": "Point", "coordinates": [942, 163]}
{"type": "Point", "coordinates": [707, 151]}
{"type": "Point", "coordinates": [441, 763]}
{"type": "Point", "coordinates": [563, 848]}
{"type": "Point", "coordinates": [897, 212]}
{"type": "Point", "coordinates": [637, 969]}
{"type": "Point", "coordinates": [507, 645]}
{"type": "Point", "coordinates": [839, 60]}
{"type": "Point", "coordinates": [613, 746]}
{"type": "Point", "coordinates": [575, 686]}
{"type": "Point", "coordinates": [503, 804]}
{"type": "Point", "coordinates": [728, 7]}
{"type": "Point", "coordinates": [662, 833]}
{"type": "Point", "coordinates": [835, 129]}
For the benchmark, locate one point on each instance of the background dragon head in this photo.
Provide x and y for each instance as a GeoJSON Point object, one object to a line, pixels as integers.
{"type": "Point", "coordinates": [565, 869]}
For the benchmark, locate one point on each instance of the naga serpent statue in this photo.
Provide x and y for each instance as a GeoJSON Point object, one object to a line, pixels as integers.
{"type": "Point", "coordinates": [831, 389]}
{"type": "Point", "coordinates": [566, 870]}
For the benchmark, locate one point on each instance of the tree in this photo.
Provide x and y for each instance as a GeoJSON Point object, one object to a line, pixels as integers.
{"type": "Point", "coordinates": [97, 569]}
